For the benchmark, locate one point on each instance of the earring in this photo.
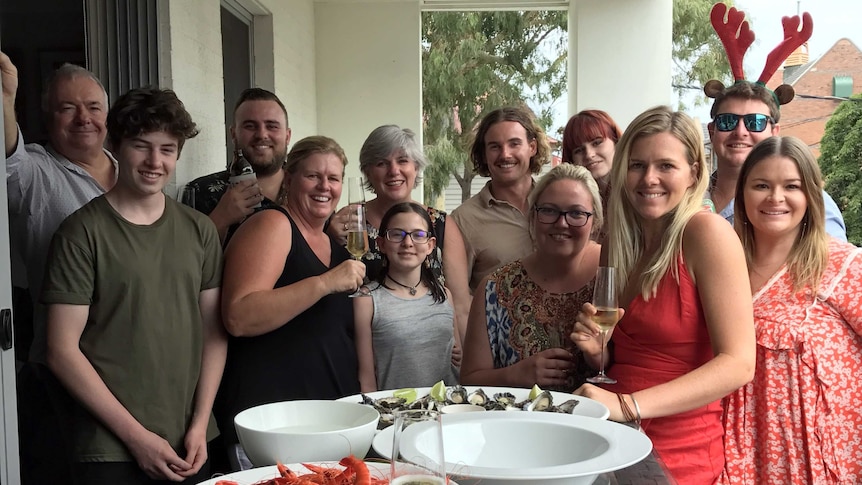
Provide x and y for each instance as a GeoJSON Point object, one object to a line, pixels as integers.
{"type": "Point", "coordinates": [428, 261]}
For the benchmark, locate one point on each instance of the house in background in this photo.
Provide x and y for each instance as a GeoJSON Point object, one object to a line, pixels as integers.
{"type": "Point", "coordinates": [820, 87]}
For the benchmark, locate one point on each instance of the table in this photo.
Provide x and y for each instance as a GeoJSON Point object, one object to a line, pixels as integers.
{"type": "Point", "coordinates": [649, 471]}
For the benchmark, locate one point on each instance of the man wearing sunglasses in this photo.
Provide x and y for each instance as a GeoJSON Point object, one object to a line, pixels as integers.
{"type": "Point", "coordinates": [742, 116]}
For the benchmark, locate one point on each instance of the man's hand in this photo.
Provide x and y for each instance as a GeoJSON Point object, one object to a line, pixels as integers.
{"type": "Point", "coordinates": [236, 204]}
{"type": "Point", "coordinates": [196, 451]}
{"type": "Point", "coordinates": [10, 78]}
{"type": "Point", "coordinates": [157, 458]}
{"type": "Point", "coordinates": [9, 73]}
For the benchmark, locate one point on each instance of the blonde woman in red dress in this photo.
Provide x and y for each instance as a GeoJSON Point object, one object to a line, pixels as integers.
{"type": "Point", "coordinates": [686, 339]}
{"type": "Point", "coordinates": [800, 419]}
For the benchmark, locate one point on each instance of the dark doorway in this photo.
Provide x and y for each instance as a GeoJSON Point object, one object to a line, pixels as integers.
{"type": "Point", "coordinates": [236, 62]}
{"type": "Point", "coordinates": [39, 36]}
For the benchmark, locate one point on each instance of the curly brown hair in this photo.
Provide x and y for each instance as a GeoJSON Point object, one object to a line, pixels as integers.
{"type": "Point", "coordinates": [146, 110]}
{"type": "Point", "coordinates": [534, 133]}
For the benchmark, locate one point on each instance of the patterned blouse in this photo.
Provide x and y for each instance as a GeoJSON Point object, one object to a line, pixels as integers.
{"type": "Point", "coordinates": [800, 419]}
{"type": "Point", "coordinates": [373, 259]}
{"type": "Point", "coordinates": [523, 319]}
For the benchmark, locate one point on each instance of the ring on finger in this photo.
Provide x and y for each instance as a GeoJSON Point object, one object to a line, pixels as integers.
{"type": "Point", "coordinates": [345, 226]}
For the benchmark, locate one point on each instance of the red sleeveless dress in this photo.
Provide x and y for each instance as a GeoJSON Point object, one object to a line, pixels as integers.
{"type": "Point", "coordinates": [655, 342]}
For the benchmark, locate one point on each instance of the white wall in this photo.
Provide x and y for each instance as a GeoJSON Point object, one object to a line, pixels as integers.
{"type": "Point", "coordinates": [294, 70]}
{"type": "Point", "coordinates": [193, 47]}
{"type": "Point", "coordinates": [369, 71]}
{"type": "Point", "coordinates": [194, 51]}
{"type": "Point", "coordinates": [619, 56]}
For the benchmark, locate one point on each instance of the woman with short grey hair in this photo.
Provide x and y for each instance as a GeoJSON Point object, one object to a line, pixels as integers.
{"type": "Point", "coordinates": [391, 160]}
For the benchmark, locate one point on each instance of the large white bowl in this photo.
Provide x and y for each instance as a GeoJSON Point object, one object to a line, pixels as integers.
{"type": "Point", "coordinates": [530, 448]}
{"type": "Point", "coordinates": [305, 431]}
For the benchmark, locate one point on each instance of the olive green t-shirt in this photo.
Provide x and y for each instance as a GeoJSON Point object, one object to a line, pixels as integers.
{"type": "Point", "coordinates": [144, 331]}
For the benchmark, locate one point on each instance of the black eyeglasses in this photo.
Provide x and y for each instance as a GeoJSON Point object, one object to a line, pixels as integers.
{"type": "Point", "coordinates": [398, 235]}
{"type": "Point", "coordinates": [574, 218]}
{"type": "Point", "coordinates": [754, 122]}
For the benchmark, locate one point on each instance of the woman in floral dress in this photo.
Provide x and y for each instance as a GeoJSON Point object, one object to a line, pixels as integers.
{"type": "Point", "coordinates": [800, 419]}
{"type": "Point", "coordinates": [523, 313]}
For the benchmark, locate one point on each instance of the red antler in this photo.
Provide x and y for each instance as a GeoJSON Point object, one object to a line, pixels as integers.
{"type": "Point", "coordinates": [735, 35]}
{"type": "Point", "coordinates": [793, 38]}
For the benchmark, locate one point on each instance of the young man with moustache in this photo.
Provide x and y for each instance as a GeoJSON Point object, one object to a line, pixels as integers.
{"type": "Point", "coordinates": [743, 115]}
{"type": "Point", "coordinates": [260, 129]}
{"type": "Point", "coordinates": [510, 147]}
{"type": "Point", "coordinates": [45, 184]}
{"type": "Point", "coordinates": [132, 289]}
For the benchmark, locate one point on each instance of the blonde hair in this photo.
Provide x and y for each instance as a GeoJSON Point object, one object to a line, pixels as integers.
{"type": "Point", "coordinates": [567, 171]}
{"type": "Point", "coordinates": [810, 252]}
{"type": "Point", "coordinates": [626, 239]}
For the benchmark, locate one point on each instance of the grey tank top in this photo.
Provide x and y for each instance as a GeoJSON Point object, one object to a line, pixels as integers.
{"type": "Point", "coordinates": [412, 341]}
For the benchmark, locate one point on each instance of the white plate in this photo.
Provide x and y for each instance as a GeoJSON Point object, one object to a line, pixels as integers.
{"type": "Point", "coordinates": [586, 407]}
{"type": "Point", "coordinates": [248, 477]}
{"type": "Point", "coordinates": [544, 447]}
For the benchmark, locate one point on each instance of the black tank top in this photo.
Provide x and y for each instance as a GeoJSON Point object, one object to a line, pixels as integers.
{"type": "Point", "coordinates": [312, 356]}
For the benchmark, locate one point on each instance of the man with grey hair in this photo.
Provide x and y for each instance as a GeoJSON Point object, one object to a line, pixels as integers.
{"type": "Point", "coordinates": [46, 184]}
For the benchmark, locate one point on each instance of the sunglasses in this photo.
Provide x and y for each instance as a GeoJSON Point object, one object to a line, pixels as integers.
{"type": "Point", "coordinates": [754, 122]}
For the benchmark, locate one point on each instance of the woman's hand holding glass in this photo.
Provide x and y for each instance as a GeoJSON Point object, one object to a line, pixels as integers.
{"type": "Point", "coordinates": [347, 276]}
{"type": "Point", "coordinates": [549, 368]}
{"type": "Point", "coordinates": [586, 335]}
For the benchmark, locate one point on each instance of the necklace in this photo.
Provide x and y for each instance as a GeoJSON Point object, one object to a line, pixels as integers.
{"type": "Point", "coordinates": [411, 289]}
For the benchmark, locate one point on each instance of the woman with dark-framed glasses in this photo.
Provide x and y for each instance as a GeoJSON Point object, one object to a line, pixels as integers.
{"type": "Point", "coordinates": [523, 313]}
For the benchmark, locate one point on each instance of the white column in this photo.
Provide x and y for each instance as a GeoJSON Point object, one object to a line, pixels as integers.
{"type": "Point", "coordinates": [369, 71]}
{"type": "Point", "coordinates": [619, 56]}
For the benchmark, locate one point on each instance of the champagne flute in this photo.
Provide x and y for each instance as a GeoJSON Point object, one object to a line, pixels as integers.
{"type": "Point", "coordinates": [188, 196]}
{"type": "Point", "coordinates": [606, 316]}
{"type": "Point", "coordinates": [357, 231]}
{"type": "Point", "coordinates": [355, 192]}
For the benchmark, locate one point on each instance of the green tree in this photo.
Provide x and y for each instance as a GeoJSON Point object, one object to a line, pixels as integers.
{"type": "Point", "coordinates": [841, 163]}
{"type": "Point", "coordinates": [475, 62]}
{"type": "Point", "coordinates": [698, 55]}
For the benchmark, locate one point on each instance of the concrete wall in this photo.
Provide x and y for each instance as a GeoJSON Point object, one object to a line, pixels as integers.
{"type": "Point", "coordinates": [369, 71]}
{"type": "Point", "coordinates": [619, 56]}
{"type": "Point", "coordinates": [284, 62]}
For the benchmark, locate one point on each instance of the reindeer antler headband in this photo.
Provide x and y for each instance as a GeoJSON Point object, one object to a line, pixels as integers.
{"type": "Point", "coordinates": [737, 37]}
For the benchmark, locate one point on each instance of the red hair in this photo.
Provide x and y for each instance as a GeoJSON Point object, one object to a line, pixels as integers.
{"type": "Point", "coordinates": [586, 126]}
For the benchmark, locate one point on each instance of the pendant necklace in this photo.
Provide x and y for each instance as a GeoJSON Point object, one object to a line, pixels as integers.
{"type": "Point", "coordinates": [411, 289]}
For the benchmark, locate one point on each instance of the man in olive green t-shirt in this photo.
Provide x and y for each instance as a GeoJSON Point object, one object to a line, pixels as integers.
{"type": "Point", "coordinates": [132, 289]}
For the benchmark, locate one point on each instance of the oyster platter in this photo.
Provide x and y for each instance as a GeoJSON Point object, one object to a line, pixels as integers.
{"type": "Point", "coordinates": [489, 398]}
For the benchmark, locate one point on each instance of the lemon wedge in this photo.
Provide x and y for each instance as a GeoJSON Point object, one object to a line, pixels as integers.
{"type": "Point", "coordinates": [438, 392]}
{"type": "Point", "coordinates": [534, 392]}
{"type": "Point", "coordinates": [408, 394]}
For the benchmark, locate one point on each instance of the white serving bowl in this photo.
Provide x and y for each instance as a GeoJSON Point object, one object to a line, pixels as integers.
{"type": "Point", "coordinates": [305, 431]}
{"type": "Point", "coordinates": [530, 448]}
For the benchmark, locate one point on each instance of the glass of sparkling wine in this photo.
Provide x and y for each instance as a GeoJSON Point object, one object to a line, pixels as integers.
{"type": "Point", "coordinates": [606, 316]}
{"type": "Point", "coordinates": [357, 233]}
{"type": "Point", "coordinates": [417, 448]}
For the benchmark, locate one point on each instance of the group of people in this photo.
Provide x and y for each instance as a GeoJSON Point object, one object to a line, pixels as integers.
{"type": "Point", "coordinates": [740, 334]}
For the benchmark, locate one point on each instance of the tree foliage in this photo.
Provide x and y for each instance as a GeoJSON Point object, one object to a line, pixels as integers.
{"type": "Point", "coordinates": [698, 55]}
{"type": "Point", "coordinates": [841, 163]}
{"type": "Point", "coordinates": [475, 62]}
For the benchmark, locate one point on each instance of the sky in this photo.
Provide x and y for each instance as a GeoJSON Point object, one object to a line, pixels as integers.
{"type": "Point", "coordinates": [833, 20]}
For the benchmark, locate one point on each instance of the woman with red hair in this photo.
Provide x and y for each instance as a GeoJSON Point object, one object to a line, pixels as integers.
{"type": "Point", "coordinates": [589, 141]}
